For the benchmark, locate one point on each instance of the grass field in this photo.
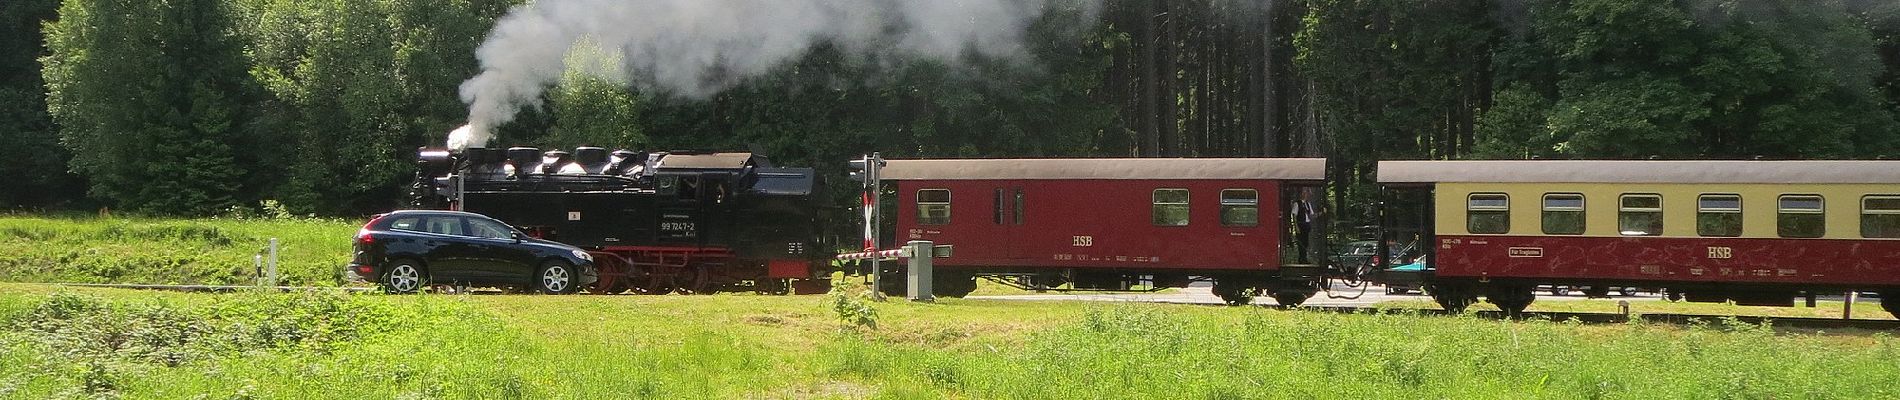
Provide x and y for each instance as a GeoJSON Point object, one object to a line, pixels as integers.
{"type": "Point", "coordinates": [62, 343]}
{"type": "Point", "coordinates": [165, 251]}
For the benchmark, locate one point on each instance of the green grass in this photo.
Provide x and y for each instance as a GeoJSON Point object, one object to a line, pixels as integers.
{"type": "Point", "coordinates": [440, 346]}
{"type": "Point", "coordinates": [1822, 309]}
{"type": "Point", "coordinates": [209, 251]}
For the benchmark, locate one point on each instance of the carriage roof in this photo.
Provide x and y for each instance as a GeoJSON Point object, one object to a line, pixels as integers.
{"type": "Point", "coordinates": [1107, 168]}
{"type": "Point", "coordinates": [1641, 171]}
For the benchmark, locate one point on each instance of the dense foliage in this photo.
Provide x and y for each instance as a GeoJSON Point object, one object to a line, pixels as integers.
{"type": "Point", "coordinates": [195, 107]}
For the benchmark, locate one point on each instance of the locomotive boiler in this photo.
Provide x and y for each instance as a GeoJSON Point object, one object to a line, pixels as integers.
{"type": "Point", "coordinates": [656, 222]}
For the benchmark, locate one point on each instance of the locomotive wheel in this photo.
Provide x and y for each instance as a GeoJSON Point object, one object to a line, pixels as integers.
{"type": "Point", "coordinates": [403, 277]}
{"type": "Point", "coordinates": [774, 286]}
{"type": "Point", "coordinates": [555, 277]}
{"type": "Point", "coordinates": [610, 286]}
{"type": "Point", "coordinates": [699, 282]}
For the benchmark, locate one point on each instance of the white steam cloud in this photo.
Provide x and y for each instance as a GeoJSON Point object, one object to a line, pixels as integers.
{"type": "Point", "coordinates": [696, 48]}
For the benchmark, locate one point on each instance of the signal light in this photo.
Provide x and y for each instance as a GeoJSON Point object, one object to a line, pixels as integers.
{"type": "Point", "coordinates": [862, 169]}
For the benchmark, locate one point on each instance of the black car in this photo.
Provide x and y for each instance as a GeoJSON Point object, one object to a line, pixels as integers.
{"type": "Point", "coordinates": [405, 251]}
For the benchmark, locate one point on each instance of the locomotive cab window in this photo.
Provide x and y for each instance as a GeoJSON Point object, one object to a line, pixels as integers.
{"type": "Point", "coordinates": [1239, 207]}
{"type": "Point", "coordinates": [1563, 214]}
{"type": "Point", "coordinates": [1639, 215]}
{"type": "Point", "coordinates": [1718, 215]}
{"type": "Point", "coordinates": [1880, 217]}
{"type": "Point", "coordinates": [933, 207]}
{"type": "Point", "coordinates": [1488, 213]}
{"type": "Point", "coordinates": [1801, 216]}
{"type": "Point", "coordinates": [1170, 207]}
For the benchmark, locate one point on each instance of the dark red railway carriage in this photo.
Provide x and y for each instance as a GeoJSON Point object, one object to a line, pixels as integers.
{"type": "Point", "coordinates": [1113, 224]}
{"type": "Point", "coordinates": [1752, 232]}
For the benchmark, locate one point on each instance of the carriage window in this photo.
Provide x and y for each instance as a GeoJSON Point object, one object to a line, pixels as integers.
{"type": "Point", "coordinates": [1563, 214]}
{"type": "Point", "coordinates": [998, 211]}
{"type": "Point", "coordinates": [1801, 216]}
{"type": "Point", "coordinates": [1639, 215]}
{"type": "Point", "coordinates": [1880, 217]}
{"type": "Point", "coordinates": [1239, 207]}
{"type": "Point", "coordinates": [1488, 213]}
{"type": "Point", "coordinates": [1019, 206]}
{"type": "Point", "coordinates": [933, 207]}
{"type": "Point", "coordinates": [1718, 215]}
{"type": "Point", "coordinates": [1171, 207]}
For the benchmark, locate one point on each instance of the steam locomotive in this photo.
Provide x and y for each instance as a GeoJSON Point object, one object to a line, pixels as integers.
{"type": "Point", "coordinates": [656, 223]}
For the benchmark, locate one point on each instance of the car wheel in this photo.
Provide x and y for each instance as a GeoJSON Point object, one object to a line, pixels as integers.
{"type": "Point", "coordinates": [555, 277]}
{"type": "Point", "coordinates": [403, 277]}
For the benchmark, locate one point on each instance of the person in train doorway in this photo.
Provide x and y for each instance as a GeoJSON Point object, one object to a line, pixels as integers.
{"type": "Point", "coordinates": [1303, 216]}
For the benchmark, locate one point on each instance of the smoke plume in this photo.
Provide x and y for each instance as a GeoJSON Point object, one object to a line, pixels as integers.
{"type": "Point", "coordinates": [695, 48]}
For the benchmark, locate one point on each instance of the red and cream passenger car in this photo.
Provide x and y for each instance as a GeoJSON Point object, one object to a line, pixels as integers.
{"type": "Point", "coordinates": [1753, 232]}
{"type": "Point", "coordinates": [1111, 224]}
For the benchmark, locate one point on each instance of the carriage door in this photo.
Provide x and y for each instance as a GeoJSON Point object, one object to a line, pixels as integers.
{"type": "Point", "coordinates": [1007, 216]}
{"type": "Point", "coordinates": [1406, 226]}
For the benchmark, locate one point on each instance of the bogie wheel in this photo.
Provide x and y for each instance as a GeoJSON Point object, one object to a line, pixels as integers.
{"type": "Point", "coordinates": [1454, 298]}
{"type": "Point", "coordinates": [953, 285]}
{"type": "Point", "coordinates": [1235, 293]}
{"type": "Point", "coordinates": [403, 277]}
{"type": "Point", "coordinates": [1291, 299]}
{"type": "Point", "coordinates": [892, 284]}
{"type": "Point", "coordinates": [555, 277]}
{"type": "Point", "coordinates": [1513, 299]}
{"type": "Point", "coordinates": [1560, 290]}
{"type": "Point", "coordinates": [1891, 301]}
{"type": "Point", "coordinates": [1673, 296]}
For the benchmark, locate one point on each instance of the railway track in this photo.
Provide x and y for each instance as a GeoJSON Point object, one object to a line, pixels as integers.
{"type": "Point", "coordinates": [1806, 323]}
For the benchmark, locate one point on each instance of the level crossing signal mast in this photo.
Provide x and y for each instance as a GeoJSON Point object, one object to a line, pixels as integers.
{"type": "Point", "coordinates": [865, 171]}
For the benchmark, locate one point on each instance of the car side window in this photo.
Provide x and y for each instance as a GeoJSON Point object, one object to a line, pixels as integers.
{"type": "Point", "coordinates": [445, 225]}
{"type": "Point", "coordinates": [489, 229]}
{"type": "Point", "coordinates": [406, 224]}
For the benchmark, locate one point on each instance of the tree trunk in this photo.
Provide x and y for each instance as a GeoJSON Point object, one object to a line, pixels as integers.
{"type": "Point", "coordinates": [1149, 113]}
{"type": "Point", "coordinates": [1170, 78]}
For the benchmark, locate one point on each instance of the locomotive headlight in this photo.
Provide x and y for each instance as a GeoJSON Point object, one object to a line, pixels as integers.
{"type": "Point", "coordinates": [582, 254]}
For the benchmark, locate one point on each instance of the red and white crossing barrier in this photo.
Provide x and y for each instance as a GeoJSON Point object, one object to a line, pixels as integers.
{"type": "Point", "coordinates": [884, 254]}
